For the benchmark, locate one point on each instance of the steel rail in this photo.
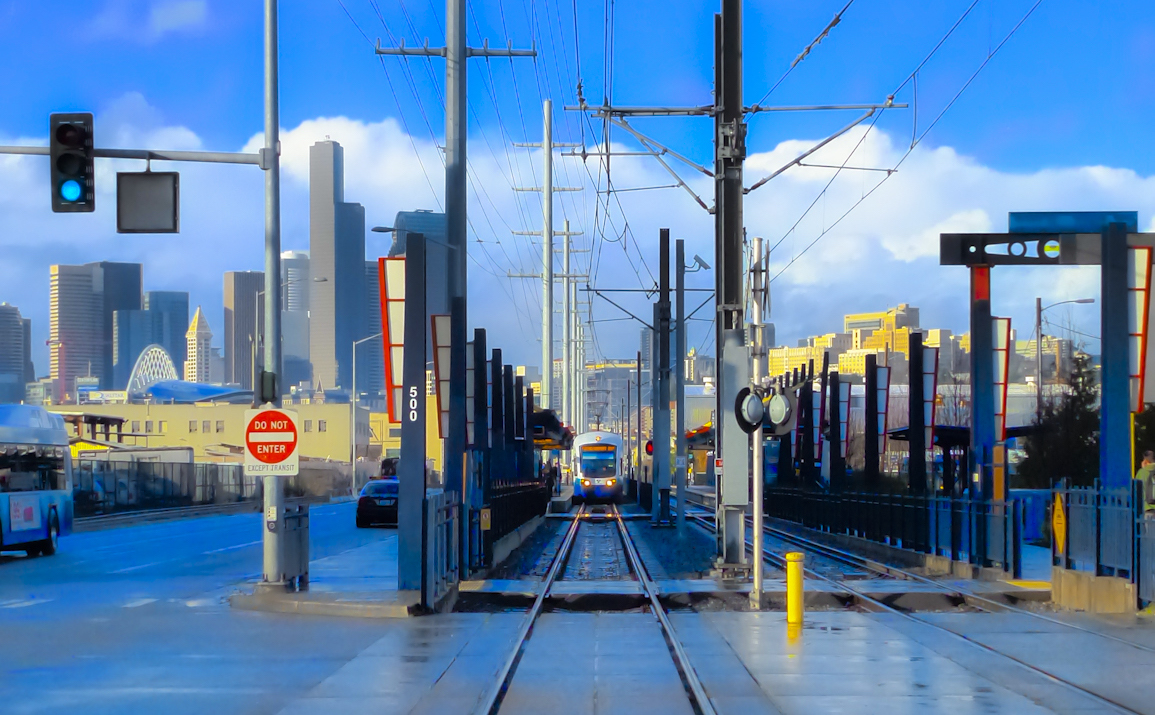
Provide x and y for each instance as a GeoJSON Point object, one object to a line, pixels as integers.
{"type": "Point", "coordinates": [681, 658]}
{"type": "Point", "coordinates": [970, 597]}
{"type": "Point", "coordinates": [493, 697]}
{"type": "Point", "coordinates": [880, 607]}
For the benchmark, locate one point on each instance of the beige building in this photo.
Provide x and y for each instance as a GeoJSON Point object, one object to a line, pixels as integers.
{"type": "Point", "coordinates": [215, 431]}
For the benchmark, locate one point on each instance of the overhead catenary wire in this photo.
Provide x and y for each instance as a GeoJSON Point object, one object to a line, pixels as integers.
{"type": "Point", "coordinates": [917, 141]}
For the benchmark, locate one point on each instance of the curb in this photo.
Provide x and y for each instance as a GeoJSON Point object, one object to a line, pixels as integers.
{"type": "Point", "coordinates": [302, 604]}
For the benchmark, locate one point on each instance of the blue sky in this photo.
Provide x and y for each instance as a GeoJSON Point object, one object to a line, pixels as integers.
{"type": "Point", "coordinates": [1070, 91]}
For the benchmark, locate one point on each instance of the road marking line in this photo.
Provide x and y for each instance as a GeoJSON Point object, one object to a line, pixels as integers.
{"type": "Point", "coordinates": [233, 547]}
{"type": "Point", "coordinates": [199, 602]}
{"type": "Point", "coordinates": [25, 603]}
{"type": "Point", "coordinates": [139, 602]}
{"type": "Point", "coordinates": [142, 566]}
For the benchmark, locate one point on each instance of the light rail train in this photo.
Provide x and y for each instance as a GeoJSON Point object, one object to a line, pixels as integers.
{"type": "Point", "coordinates": [599, 476]}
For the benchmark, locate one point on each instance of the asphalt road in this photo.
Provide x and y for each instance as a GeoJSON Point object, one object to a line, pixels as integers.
{"type": "Point", "coordinates": [134, 619]}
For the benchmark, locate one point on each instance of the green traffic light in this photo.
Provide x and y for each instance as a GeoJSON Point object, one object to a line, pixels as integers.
{"type": "Point", "coordinates": [70, 190]}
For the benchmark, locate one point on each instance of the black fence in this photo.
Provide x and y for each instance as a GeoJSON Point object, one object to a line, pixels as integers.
{"type": "Point", "coordinates": [103, 487]}
{"type": "Point", "coordinates": [982, 533]}
{"type": "Point", "coordinates": [1103, 531]}
{"type": "Point", "coordinates": [511, 507]}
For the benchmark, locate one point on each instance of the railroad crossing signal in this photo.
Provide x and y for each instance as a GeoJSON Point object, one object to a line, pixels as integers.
{"type": "Point", "coordinates": [71, 152]}
{"type": "Point", "coordinates": [649, 448]}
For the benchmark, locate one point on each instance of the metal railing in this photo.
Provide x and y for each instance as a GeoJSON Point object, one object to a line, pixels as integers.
{"type": "Point", "coordinates": [441, 522]}
{"type": "Point", "coordinates": [1146, 561]}
{"type": "Point", "coordinates": [511, 507]}
{"type": "Point", "coordinates": [1102, 533]}
{"type": "Point", "coordinates": [982, 533]}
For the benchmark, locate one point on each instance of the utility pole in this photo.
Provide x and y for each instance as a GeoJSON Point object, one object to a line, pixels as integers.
{"type": "Point", "coordinates": [1039, 359]}
{"type": "Point", "coordinates": [547, 234]}
{"type": "Point", "coordinates": [455, 53]}
{"type": "Point", "coordinates": [756, 355]}
{"type": "Point", "coordinates": [566, 334]}
{"type": "Point", "coordinates": [662, 416]}
{"type": "Point", "coordinates": [680, 464]}
{"type": "Point", "coordinates": [733, 362]}
{"type": "Point", "coordinates": [640, 442]}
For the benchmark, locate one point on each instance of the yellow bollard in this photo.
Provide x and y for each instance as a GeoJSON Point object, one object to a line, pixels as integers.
{"type": "Point", "coordinates": [794, 587]}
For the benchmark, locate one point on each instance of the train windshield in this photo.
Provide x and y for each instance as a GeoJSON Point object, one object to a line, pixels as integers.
{"type": "Point", "coordinates": [600, 462]}
{"type": "Point", "coordinates": [31, 468]}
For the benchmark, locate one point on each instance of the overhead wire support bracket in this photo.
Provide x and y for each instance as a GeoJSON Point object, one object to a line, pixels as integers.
{"type": "Point", "coordinates": [426, 51]}
{"type": "Point", "coordinates": [798, 160]}
{"type": "Point", "coordinates": [758, 109]}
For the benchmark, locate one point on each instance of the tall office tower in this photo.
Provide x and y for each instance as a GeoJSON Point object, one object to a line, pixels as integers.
{"type": "Point", "coordinates": [198, 346]}
{"type": "Point", "coordinates": [12, 350]}
{"type": "Point", "coordinates": [295, 276]}
{"type": "Point", "coordinates": [337, 313]}
{"type": "Point", "coordinates": [295, 279]}
{"type": "Point", "coordinates": [132, 332]}
{"type": "Point", "coordinates": [371, 358]}
{"type": "Point", "coordinates": [118, 286]}
{"type": "Point", "coordinates": [244, 320]}
{"type": "Point", "coordinates": [29, 368]}
{"type": "Point", "coordinates": [82, 300]}
{"type": "Point", "coordinates": [173, 306]}
{"type": "Point", "coordinates": [434, 226]}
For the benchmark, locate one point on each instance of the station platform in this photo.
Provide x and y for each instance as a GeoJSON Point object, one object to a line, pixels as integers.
{"type": "Point", "coordinates": [563, 502]}
{"type": "Point", "coordinates": [749, 664]}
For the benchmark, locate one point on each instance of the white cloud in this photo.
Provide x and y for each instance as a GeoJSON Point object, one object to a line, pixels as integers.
{"type": "Point", "coordinates": [149, 21]}
{"type": "Point", "coordinates": [883, 253]}
{"type": "Point", "coordinates": [170, 15]}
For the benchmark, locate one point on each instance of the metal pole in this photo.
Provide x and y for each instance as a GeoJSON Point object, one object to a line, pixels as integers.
{"type": "Point", "coordinates": [680, 463]}
{"type": "Point", "coordinates": [756, 379]}
{"type": "Point", "coordinates": [629, 434]}
{"type": "Point", "coordinates": [353, 419]}
{"type": "Point", "coordinates": [1039, 357]}
{"type": "Point", "coordinates": [456, 132]}
{"type": "Point", "coordinates": [274, 496]}
{"type": "Point", "coordinates": [662, 424]}
{"type": "Point", "coordinates": [733, 361]}
{"type": "Point", "coordinates": [547, 256]}
{"type": "Point", "coordinates": [640, 442]}
{"type": "Point", "coordinates": [567, 333]}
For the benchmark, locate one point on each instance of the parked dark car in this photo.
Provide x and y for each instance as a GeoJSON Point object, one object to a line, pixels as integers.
{"type": "Point", "coordinates": [378, 503]}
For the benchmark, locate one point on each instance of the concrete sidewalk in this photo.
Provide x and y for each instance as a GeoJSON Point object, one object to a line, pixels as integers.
{"type": "Point", "coordinates": [361, 582]}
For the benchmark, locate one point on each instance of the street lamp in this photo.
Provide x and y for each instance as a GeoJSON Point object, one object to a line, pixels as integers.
{"type": "Point", "coordinates": [353, 411]}
{"type": "Point", "coordinates": [256, 333]}
{"type": "Point", "coordinates": [1039, 346]}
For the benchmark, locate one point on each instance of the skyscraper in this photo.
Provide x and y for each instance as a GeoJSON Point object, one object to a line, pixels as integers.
{"type": "Point", "coordinates": [371, 362]}
{"type": "Point", "coordinates": [244, 319]}
{"type": "Point", "coordinates": [296, 279]}
{"type": "Point", "coordinates": [82, 300]}
{"type": "Point", "coordinates": [12, 352]}
{"type": "Point", "coordinates": [336, 253]}
{"type": "Point", "coordinates": [173, 306]}
{"type": "Point", "coordinates": [199, 338]}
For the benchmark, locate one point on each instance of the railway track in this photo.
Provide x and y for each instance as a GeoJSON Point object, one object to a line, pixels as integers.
{"type": "Point", "coordinates": [776, 558]}
{"type": "Point", "coordinates": [699, 700]}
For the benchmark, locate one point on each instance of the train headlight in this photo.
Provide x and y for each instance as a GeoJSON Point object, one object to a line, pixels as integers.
{"type": "Point", "coordinates": [610, 482]}
{"type": "Point", "coordinates": [586, 483]}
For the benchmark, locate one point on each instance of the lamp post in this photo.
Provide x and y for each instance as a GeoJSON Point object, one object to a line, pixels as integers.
{"type": "Point", "coordinates": [257, 333]}
{"type": "Point", "coordinates": [1039, 347]}
{"type": "Point", "coordinates": [353, 403]}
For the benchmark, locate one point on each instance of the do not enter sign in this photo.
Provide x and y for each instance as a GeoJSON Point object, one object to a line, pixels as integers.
{"type": "Point", "coordinates": [271, 442]}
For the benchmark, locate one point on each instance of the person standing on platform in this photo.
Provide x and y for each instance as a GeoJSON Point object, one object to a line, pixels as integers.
{"type": "Point", "coordinates": [1146, 475]}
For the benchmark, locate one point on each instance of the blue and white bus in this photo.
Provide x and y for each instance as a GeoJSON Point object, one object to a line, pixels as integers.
{"type": "Point", "coordinates": [35, 480]}
{"type": "Point", "coordinates": [599, 467]}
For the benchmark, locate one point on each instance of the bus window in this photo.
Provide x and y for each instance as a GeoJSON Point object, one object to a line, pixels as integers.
{"type": "Point", "coordinates": [30, 469]}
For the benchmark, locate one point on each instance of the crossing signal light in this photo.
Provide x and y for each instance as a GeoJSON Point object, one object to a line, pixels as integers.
{"type": "Point", "coordinates": [71, 153]}
{"type": "Point", "coordinates": [649, 448]}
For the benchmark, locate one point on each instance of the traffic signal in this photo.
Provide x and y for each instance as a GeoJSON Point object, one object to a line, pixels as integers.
{"type": "Point", "coordinates": [71, 154]}
{"type": "Point", "coordinates": [649, 448]}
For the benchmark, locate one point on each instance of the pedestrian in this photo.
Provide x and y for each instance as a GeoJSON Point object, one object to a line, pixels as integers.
{"type": "Point", "coordinates": [1146, 475]}
{"type": "Point", "coordinates": [549, 479]}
